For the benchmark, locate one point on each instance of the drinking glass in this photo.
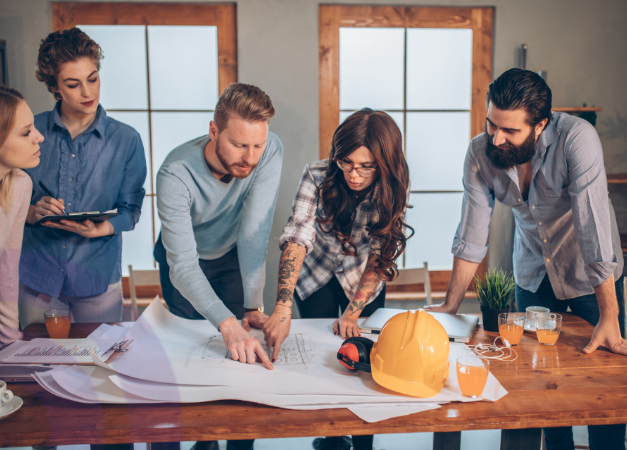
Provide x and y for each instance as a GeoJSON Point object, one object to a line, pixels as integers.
{"type": "Point", "coordinates": [472, 375]}
{"type": "Point", "coordinates": [532, 312]}
{"type": "Point", "coordinates": [58, 323]}
{"type": "Point", "coordinates": [548, 329]}
{"type": "Point", "coordinates": [511, 326]}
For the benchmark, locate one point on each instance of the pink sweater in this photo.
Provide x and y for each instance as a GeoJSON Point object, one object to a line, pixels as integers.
{"type": "Point", "coordinates": [11, 232]}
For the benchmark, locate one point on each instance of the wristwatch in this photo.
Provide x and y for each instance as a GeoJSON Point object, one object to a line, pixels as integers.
{"type": "Point", "coordinates": [260, 309]}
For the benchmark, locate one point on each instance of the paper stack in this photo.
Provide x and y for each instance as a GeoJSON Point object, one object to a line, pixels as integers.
{"type": "Point", "coordinates": [184, 361]}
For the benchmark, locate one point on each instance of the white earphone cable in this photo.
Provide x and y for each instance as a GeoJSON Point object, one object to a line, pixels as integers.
{"type": "Point", "coordinates": [480, 350]}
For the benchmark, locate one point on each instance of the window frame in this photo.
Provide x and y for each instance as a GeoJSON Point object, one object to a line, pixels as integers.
{"type": "Point", "coordinates": [221, 15]}
{"type": "Point", "coordinates": [333, 17]}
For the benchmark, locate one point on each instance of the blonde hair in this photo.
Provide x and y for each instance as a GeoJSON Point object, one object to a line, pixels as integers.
{"type": "Point", "coordinates": [9, 101]}
{"type": "Point", "coordinates": [246, 101]}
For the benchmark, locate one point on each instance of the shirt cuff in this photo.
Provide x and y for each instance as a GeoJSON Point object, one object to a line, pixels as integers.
{"type": "Point", "coordinates": [599, 272]}
{"type": "Point", "coordinates": [469, 251]}
{"type": "Point", "coordinates": [292, 238]}
{"type": "Point", "coordinates": [121, 223]}
{"type": "Point", "coordinates": [217, 313]}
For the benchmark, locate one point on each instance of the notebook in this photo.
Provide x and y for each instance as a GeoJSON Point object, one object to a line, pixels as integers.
{"type": "Point", "coordinates": [459, 327]}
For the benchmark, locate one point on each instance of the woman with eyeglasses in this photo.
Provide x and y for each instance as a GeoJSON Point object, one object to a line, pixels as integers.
{"type": "Point", "coordinates": [346, 231]}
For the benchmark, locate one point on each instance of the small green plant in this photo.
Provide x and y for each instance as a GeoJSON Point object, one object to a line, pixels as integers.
{"type": "Point", "coordinates": [495, 291]}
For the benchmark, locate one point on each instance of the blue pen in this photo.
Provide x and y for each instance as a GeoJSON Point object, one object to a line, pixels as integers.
{"type": "Point", "coordinates": [50, 194]}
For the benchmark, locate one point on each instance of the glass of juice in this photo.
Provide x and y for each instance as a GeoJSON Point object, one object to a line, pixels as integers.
{"type": "Point", "coordinates": [472, 375]}
{"type": "Point", "coordinates": [548, 328]}
{"type": "Point", "coordinates": [58, 323]}
{"type": "Point", "coordinates": [511, 327]}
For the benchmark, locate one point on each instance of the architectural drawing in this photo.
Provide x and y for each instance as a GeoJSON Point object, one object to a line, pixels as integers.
{"type": "Point", "coordinates": [296, 351]}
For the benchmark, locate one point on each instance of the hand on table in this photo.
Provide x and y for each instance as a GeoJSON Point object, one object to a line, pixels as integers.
{"type": "Point", "coordinates": [243, 347]}
{"type": "Point", "coordinates": [443, 308]}
{"type": "Point", "coordinates": [276, 330]}
{"type": "Point", "coordinates": [86, 228]}
{"type": "Point", "coordinates": [607, 334]}
{"type": "Point", "coordinates": [346, 326]}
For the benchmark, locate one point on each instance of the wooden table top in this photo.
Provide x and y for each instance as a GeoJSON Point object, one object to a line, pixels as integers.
{"type": "Point", "coordinates": [548, 386]}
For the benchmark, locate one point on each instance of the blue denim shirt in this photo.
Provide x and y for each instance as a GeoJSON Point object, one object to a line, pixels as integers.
{"type": "Point", "coordinates": [102, 169]}
{"type": "Point", "coordinates": [567, 227]}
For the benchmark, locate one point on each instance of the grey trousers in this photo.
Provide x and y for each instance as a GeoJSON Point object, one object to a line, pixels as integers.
{"type": "Point", "coordinates": [105, 307]}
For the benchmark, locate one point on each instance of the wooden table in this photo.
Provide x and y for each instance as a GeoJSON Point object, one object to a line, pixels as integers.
{"type": "Point", "coordinates": [548, 386]}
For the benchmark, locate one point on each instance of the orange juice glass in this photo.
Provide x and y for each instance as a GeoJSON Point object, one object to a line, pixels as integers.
{"type": "Point", "coordinates": [511, 327]}
{"type": "Point", "coordinates": [472, 375]}
{"type": "Point", "coordinates": [548, 328]}
{"type": "Point", "coordinates": [58, 323]}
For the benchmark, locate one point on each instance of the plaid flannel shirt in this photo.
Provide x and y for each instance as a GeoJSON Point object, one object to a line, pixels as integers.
{"type": "Point", "coordinates": [325, 257]}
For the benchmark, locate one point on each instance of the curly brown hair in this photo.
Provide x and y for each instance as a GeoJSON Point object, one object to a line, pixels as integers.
{"type": "Point", "coordinates": [60, 47]}
{"type": "Point", "coordinates": [378, 132]}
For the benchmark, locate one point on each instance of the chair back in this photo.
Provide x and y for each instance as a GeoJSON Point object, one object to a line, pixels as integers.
{"type": "Point", "coordinates": [140, 278]}
{"type": "Point", "coordinates": [415, 276]}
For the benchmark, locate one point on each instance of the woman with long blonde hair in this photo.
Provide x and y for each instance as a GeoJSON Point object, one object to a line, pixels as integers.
{"type": "Point", "coordinates": [19, 149]}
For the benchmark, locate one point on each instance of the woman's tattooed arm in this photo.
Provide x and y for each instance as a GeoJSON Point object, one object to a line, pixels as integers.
{"type": "Point", "coordinates": [367, 285]}
{"type": "Point", "coordinates": [291, 262]}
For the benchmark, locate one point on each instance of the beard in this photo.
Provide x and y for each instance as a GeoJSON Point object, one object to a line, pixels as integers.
{"type": "Point", "coordinates": [234, 169]}
{"type": "Point", "coordinates": [511, 155]}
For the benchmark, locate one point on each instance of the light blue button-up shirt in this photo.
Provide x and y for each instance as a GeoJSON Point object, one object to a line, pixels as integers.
{"type": "Point", "coordinates": [101, 169]}
{"type": "Point", "coordinates": [566, 228]}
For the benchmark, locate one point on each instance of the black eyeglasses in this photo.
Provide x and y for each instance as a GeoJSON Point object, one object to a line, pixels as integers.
{"type": "Point", "coordinates": [365, 172]}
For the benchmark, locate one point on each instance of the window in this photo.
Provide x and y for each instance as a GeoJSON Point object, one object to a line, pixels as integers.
{"type": "Point", "coordinates": [429, 69]}
{"type": "Point", "coordinates": [164, 67]}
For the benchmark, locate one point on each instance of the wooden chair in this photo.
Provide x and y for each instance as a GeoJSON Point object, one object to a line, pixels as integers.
{"type": "Point", "coordinates": [414, 276]}
{"type": "Point", "coordinates": [140, 278]}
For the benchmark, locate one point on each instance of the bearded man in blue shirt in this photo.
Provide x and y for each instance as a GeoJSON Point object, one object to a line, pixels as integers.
{"type": "Point", "coordinates": [548, 167]}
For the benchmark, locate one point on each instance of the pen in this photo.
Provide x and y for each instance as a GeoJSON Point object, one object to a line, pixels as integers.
{"type": "Point", "coordinates": [50, 194]}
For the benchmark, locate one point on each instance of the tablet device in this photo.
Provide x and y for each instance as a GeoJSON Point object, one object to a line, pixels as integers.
{"type": "Point", "coordinates": [95, 216]}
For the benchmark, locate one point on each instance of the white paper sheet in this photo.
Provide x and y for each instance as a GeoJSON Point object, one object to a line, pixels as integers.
{"type": "Point", "coordinates": [46, 381]}
{"type": "Point", "coordinates": [89, 384]}
{"type": "Point", "coordinates": [375, 413]}
{"type": "Point", "coordinates": [93, 383]}
{"type": "Point", "coordinates": [168, 349]}
{"type": "Point", "coordinates": [11, 349]}
{"type": "Point", "coordinates": [58, 351]}
{"type": "Point", "coordinates": [192, 394]}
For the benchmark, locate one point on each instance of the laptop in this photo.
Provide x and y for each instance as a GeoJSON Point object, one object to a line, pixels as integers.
{"type": "Point", "coordinates": [459, 327]}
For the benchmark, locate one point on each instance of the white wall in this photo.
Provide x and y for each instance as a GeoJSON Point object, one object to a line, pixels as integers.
{"type": "Point", "coordinates": [581, 43]}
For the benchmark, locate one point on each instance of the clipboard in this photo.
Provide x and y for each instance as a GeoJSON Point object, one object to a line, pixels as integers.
{"type": "Point", "coordinates": [95, 216]}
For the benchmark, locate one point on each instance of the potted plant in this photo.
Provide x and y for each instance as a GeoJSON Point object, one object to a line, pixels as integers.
{"type": "Point", "coordinates": [494, 293]}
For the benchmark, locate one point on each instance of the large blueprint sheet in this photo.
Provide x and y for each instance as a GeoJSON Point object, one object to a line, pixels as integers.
{"type": "Point", "coordinates": [168, 349]}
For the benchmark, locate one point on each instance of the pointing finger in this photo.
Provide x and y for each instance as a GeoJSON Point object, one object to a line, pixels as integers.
{"type": "Point", "coordinates": [263, 357]}
{"type": "Point", "coordinates": [275, 352]}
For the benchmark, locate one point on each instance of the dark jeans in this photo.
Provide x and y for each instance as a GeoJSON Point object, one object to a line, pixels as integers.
{"type": "Point", "coordinates": [226, 280]}
{"type": "Point", "coordinates": [601, 437]}
{"type": "Point", "coordinates": [326, 303]}
{"type": "Point", "coordinates": [223, 274]}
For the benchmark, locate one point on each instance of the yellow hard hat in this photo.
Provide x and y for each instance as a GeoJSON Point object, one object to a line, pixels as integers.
{"type": "Point", "coordinates": [411, 355]}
